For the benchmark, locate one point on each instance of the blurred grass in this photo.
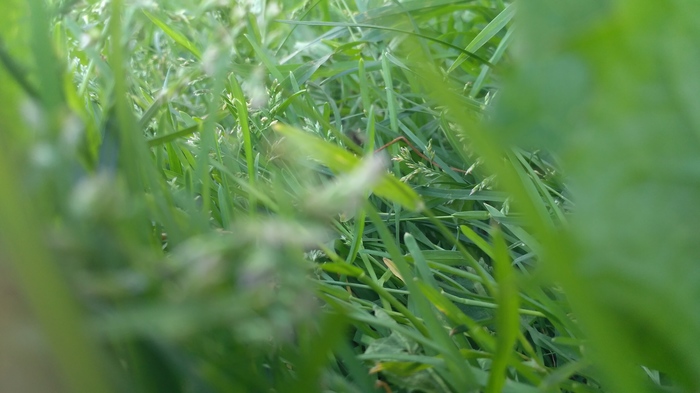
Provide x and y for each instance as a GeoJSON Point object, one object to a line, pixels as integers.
{"type": "Point", "coordinates": [189, 199]}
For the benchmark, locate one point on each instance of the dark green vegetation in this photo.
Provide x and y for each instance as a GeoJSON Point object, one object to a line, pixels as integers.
{"type": "Point", "coordinates": [189, 201]}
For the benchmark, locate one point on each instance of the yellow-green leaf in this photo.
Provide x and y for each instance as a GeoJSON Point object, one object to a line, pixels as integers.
{"type": "Point", "coordinates": [340, 160]}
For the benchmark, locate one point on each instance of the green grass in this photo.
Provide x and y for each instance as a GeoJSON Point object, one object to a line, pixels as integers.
{"type": "Point", "coordinates": [190, 199]}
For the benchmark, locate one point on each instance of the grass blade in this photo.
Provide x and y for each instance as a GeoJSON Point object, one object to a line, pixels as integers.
{"type": "Point", "coordinates": [493, 28]}
{"type": "Point", "coordinates": [507, 317]}
{"type": "Point", "coordinates": [176, 36]}
{"type": "Point", "coordinates": [241, 112]}
{"type": "Point", "coordinates": [340, 161]}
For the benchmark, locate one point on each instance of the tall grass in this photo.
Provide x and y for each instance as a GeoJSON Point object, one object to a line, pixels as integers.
{"type": "Point", "coordinates": [348, 196]}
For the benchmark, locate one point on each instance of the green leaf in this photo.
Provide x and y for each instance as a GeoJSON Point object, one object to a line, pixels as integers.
{"type": "Point", "coordinates": [342, 268]}
{"type": "Point", "coordinates": [265, 59]}
{"type": "Point", "coordinates": [477, 240]}
{"type": "Point", "coordinates": [472, 215]}
{"type": "Point", "coordinates": [161, 139]}
{"type": "Point", "coordinates": [611, 89]}
{"type": "Point", "coordinates": [507, 317]}
{"type": "Point", "coordinates": [493, 28]}
{"type": "Point", "coordinates": [394, 30]}
{"type": "Point", "coordinates": [452, 312]}
{"type": "Point", "coordinates": [174, 34]}
{"type": "Point", "coordinates": [424, 271]}
{"type": "Point", "coordinates": [341, 161]}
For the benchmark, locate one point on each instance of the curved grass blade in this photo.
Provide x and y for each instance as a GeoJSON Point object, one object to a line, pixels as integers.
{"type": "Point", "coordinates": [497, 54]}
{"type": "Point", "coordinates": [493, 28]}
{"type": "Point", "coordinates": [464, 52]}
{"type": "Point", "coordinates": [341, 161]}
{"type": "Point", "coordinates": [175, 35]}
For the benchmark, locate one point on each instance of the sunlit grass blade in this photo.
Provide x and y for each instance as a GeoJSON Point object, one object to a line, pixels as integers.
{"type": "Point", "coordinates": [340, 160]}
{"type": "Point", "coordinates": [176, 36]}
{"type": "Point", "coordinates": [477, 240]}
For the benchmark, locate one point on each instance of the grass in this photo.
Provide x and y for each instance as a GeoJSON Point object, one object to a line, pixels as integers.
{"type": "Point", "coordinates": [337, 196]}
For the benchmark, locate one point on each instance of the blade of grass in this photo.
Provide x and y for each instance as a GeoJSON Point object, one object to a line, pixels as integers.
{"type": "Point", "coordinates": [394, 30]}
{"type": "Point", "coordinates": [16, 71]}
{"type": "Point", "coordinates": [507, 318]}
{"type": "Point", "coordinates": [239, 102]}
{"type": "Point", "coordinates": [491, 152]}
{"type": "Point", "coordinates": [48, 66]}
{"type": "Point", "coordinates": [167, 138]}
{"type": "Point", "coordinates": [390, 99]}
{"type": "Point", "coordinates": [493, 28]}
{"type": "Point", "coordinates": [423, 269]}
{"type": "Point", "coordinates": [340, 267]}
{"type": "Point", "coordinates": [477, 240]}
{"type": "Point", "coordinates": [433, 327]}
{"type": "Point", "coordinates": [364, 90]}
{"type": "Point", "coordinates": [175, 35]}
{"type": "Point", "coordinates": [265, 59]}
{"type": "Point", "coordinates": [340, 161]}
{"type": "Point", "coordinates": [497, 54]}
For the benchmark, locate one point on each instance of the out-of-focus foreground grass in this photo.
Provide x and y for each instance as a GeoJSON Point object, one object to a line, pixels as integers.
{"type": "Point", "coordinates": [189, 199]}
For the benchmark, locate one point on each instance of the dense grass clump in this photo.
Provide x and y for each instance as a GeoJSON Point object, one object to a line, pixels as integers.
{"type": "Point", "coordinates": [336, 196]}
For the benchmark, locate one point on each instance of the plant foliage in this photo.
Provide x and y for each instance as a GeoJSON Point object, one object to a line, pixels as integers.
{"type": "Point", "coordinates": [335, 196]}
